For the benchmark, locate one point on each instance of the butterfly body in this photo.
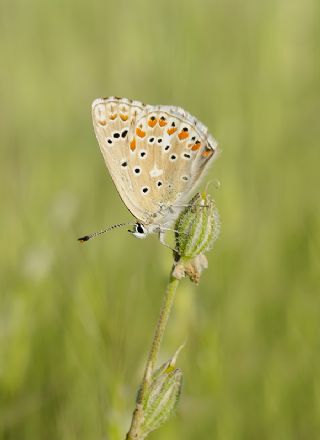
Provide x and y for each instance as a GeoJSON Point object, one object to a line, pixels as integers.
{"type": "Point", "coordinates": [156, 155]}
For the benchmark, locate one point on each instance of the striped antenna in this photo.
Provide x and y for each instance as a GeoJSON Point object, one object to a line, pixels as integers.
{"type": "Point", "coordinates": [95, 234]}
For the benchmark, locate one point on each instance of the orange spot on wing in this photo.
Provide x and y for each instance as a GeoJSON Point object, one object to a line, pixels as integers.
{"type": "Point", "coordinates": [196, 146]}
{"type": "Point", "coordinates": [162, 123]}
{"type": "Point", "coordinates": [152, 122]}
{"type": "Point", "coordinates": [207, 153]}
{"type": "Point", "coordinates": [102, 122]}
{"type": "Point", "coordinates": [133, 144]}
{"type": "Point", "coordinates": [170, 131]}
{"type": "Point", "coordinates": [124, 117]}
{"type": "Point", "coordinates": [140, 132]}
{"type": "Point", "coordinates": [183, 135]}
{"type": "Point", "coordinates": [113, 117]}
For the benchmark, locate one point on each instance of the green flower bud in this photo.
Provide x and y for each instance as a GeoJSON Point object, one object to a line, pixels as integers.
{"type": "Point", "coordinates": [161, 397]}
{"type": "Point", "coordinates": [197, 226]}
{"type": "Point", "coordinates": [197, 229]}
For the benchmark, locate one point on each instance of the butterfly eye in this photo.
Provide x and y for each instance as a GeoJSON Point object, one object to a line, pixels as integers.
{"type": "Point", "coordinates": [140, 229]}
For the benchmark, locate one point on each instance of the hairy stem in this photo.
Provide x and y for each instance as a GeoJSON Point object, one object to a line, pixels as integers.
{"type": "Point", "coordinates": [166, 307]}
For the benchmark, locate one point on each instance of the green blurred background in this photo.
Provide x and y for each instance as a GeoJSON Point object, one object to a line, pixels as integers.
{"type": "Point", "coordinates": [76, 321]}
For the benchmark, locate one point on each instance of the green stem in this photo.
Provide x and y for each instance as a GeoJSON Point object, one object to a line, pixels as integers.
{"type": "Point", "coordinates": [166, 307]}
{"type": "Point", "coordinates": [158, 335]}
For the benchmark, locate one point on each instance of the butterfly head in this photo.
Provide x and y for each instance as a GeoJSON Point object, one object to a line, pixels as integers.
{"type": "Point", "coordinates": [139, 230]}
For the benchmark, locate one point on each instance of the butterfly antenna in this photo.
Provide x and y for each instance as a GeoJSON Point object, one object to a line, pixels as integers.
{"type": "Point", "coordinates": [95, 234]}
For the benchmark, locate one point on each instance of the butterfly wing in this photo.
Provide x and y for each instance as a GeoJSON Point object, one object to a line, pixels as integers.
{"type": "Point", "coordinates": [156, 155]}
{"type": "Point", "coordinates": [172, 152]}
{"type": "Point", "coordinates": [114, 122]}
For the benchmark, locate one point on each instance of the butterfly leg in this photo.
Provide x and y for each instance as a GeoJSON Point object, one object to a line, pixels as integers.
{"type": "Point", "coordinates": [172, 230]}
{"type": "Point", "coordinates": [162, 233]}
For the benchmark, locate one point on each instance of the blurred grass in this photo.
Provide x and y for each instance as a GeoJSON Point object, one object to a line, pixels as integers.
{"type": "Point", "coordinates": [75, 322]}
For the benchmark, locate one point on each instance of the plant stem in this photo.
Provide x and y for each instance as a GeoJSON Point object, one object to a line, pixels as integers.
{"type": "Point", "coordinates": [159, 332]}
{"type": "Point", "coordinates": [166, 307]}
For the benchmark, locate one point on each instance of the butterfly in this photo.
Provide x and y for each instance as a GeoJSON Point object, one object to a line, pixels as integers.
{"type": "Point", "coordinates": [156, 156]}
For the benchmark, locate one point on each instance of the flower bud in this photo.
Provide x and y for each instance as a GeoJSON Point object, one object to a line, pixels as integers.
{"type": "Point", "coordinates": [197, 228]}
{"type": "Point", "coordinates": [161, 397]}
